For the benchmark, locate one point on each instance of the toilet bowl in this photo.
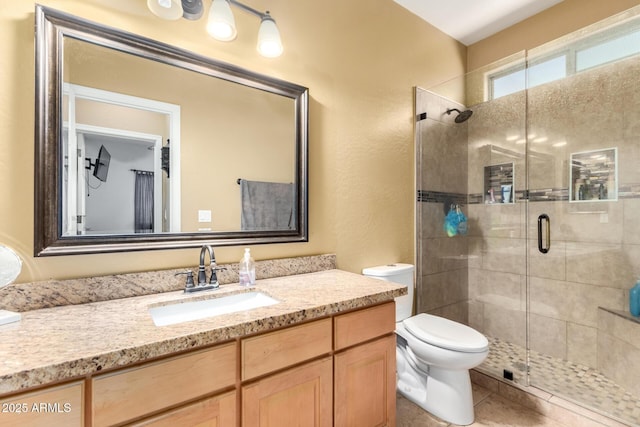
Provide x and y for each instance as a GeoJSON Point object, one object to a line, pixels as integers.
{"type": "Point", "coordinates": [433, 354]}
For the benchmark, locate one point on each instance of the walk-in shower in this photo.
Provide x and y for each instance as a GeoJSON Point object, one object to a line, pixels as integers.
{"type": "Point", "coordinates": [549, 161]}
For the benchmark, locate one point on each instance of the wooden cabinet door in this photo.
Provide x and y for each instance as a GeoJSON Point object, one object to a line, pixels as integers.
{"type": "Point", "coordinates": [365, 384]}
{"type": "Point", "coordinates": [298, 397]}
{"type": "Point", "coordinates": [217, 411]}
{"type": "Point", "coordinates": [54, 406]}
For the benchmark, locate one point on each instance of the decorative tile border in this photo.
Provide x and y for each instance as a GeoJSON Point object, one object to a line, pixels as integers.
{"type": "Point", "coordinates": [441, 197]}
{"type": "Point", "coordinates": [627, 191]}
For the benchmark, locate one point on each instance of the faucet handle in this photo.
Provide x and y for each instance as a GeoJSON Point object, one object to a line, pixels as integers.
{"type": "Point", "coordinates": [213, 280]}
{"type": "Point", "coordinates": [189, 275]}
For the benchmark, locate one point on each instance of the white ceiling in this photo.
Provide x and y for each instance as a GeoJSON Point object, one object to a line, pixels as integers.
{"type": "Point", "coordinates": [469, 21]}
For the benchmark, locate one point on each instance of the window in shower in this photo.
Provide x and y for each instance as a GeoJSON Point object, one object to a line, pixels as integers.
{"type": "Point", "coordinates": [608, 50]}
{"type": "Point", "coordinates": [542, 71]}
{"type": "Point", "coordinates": [581, 55]}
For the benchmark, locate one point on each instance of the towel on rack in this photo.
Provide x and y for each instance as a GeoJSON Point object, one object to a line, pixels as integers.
{"type": "Point", "coordinates": [267, 205]}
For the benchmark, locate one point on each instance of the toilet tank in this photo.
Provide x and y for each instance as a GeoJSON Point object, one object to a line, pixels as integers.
{"type": "Point", "coordinates": [397, 273]}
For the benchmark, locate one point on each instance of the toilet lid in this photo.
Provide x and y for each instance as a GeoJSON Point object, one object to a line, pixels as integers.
{"type": "Point", "coordinates": [445, 333]}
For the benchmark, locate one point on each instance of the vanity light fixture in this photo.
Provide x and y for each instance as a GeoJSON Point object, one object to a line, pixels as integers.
{"type": "Point", "coordinates": [221, 24]}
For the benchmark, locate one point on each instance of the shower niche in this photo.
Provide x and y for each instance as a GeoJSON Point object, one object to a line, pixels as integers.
{"type": "Point", "coordinates": [498, 184]}
{"type": "Point", "coordinates": [594, 175]}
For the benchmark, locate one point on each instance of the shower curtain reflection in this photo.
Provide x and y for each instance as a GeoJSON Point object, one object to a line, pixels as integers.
{"type": "Point", "coordinates": [143, 202]}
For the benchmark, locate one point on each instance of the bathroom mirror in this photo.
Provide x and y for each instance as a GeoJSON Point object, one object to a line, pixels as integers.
{"type": "Point", "coordinates": [217, 140]}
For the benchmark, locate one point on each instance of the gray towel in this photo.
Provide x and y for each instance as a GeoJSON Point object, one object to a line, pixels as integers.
{"type": "Point", "coordinates": [267, 205]}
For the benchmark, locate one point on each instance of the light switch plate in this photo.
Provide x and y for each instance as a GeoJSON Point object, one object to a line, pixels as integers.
{"type": "Point", "coordinates": [204, 216]}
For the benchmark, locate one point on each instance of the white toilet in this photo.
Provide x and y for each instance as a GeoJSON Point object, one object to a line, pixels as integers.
{"type": "Point", "coordinates": [433, 354]}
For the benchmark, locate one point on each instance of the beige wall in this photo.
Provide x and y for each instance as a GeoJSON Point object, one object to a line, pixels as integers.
{"type": "Point", "coordinates": [557, 21]}
{"type": "Point", "coordinates": [359, 59]}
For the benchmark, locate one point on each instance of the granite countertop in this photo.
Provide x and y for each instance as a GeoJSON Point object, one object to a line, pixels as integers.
{"type": "Point", "coordinates": [66, 342]}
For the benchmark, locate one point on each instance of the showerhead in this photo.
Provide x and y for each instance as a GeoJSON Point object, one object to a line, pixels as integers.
{"type": "Point", "coordinates": [462, 116]}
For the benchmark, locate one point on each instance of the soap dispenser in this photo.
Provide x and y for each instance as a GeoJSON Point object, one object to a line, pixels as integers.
{"type": "Point", "coordinates": [634, 299]}
{"type": "Point", "coordinates": [247, 269]}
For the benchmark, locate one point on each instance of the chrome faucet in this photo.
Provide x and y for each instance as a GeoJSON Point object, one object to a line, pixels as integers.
{"type": "Point", "coordinates": [202, 284]}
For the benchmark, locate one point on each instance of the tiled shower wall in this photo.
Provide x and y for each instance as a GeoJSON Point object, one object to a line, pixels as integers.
{"type": "Point", "coordinates": [595, 253]}
{"type": "Point", "coordinates": [480, 278]}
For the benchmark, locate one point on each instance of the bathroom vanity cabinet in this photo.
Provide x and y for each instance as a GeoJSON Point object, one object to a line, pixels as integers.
{"type": "Point", "coordinates": [354, 387]}
{"type": "Point", "coordinates": [336, 370]}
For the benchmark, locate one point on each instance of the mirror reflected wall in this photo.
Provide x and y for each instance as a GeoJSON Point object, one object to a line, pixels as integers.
{"type": "Point", "coordinates": [196, 128]}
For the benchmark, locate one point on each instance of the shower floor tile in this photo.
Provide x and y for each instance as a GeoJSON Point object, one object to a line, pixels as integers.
{"type": "Point", "coordinates": [576, 383]}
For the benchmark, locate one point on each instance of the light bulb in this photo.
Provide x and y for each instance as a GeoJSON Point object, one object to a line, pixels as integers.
{"type": "Point", "coordinates": [269, 43]}
{"type": "Point", "coordinates": [166, 9]}
{"type": "Point", "coordinates": [221, 24]}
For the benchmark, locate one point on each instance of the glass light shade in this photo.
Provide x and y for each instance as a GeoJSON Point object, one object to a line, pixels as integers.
{"type": "Point", "coordinates": [269, 43]}
{"type": "Point", "coordinates": [166, 9]}
{"type": "Point", "coordinates": [221, 24]}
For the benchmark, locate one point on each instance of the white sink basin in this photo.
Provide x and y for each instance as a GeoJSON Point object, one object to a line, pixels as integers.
{"type": "Point", "coordinates": [180, 312]}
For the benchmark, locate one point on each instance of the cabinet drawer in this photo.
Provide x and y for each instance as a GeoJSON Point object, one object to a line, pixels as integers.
{"type": "Point", "coordinates": [135, 392]}
{"type": "Point", "coordinates": [53, 406]}
{"type": "Point", "coordinates": [362, 325]}
{"type": "Point", "coordinates": [276, 350]}
{"type": "Point", "coordinates": [217, 411]}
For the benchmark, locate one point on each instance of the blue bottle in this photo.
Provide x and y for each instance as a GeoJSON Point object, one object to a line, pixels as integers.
{"type": "Point", "coordinates": [634, 299]}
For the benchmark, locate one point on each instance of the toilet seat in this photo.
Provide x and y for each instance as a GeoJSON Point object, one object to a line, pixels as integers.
{"type": "Point", "coordinates": [445, 333]}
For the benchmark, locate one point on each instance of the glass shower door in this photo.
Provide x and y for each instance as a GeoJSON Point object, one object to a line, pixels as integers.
{"type": "Point", "coordinates": [582, 239]}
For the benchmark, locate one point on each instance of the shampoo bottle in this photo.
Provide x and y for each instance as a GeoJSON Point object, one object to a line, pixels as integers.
{"type": "Point", "coordinates": [247, 269]}
{"type": "Point", "coordinates": [634, 299]}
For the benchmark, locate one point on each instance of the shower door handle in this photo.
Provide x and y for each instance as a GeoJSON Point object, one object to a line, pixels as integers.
{"type": "Point", "coordinates": [544, 217]}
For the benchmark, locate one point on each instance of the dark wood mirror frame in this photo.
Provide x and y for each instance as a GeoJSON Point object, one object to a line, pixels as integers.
{"type": "Point", "coordinates": [51, 28]}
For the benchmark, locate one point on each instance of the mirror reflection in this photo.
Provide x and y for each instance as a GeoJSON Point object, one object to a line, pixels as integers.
{"type": "Point", "coordinates": [159, 144]}
{"type": "Point", "coordinates": [217, 131]}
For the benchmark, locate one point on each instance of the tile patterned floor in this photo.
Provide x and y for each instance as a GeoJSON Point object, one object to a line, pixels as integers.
{"type": "Point", "coordinates": [491, 409]}
{"type": "Point", "coordinates": [576, 383]}
{"type": "Point", "coordinates": [501, 405]}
